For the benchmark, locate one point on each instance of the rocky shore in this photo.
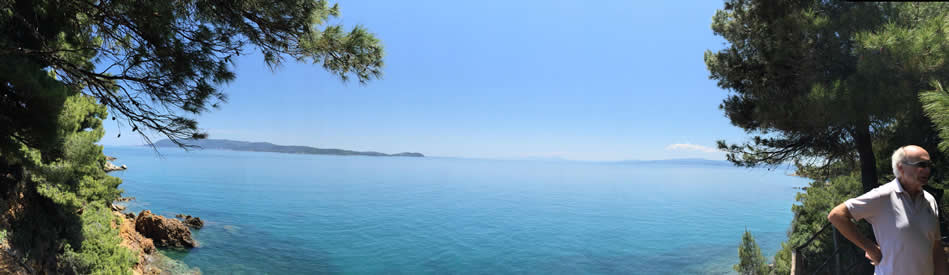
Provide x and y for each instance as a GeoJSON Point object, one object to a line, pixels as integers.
{"type": "Point", "coordinates": [144, 233]}
{"type": "Point", "coordinates": [109, 167]}
{"type": "Point", "coordinates": [165, 232]}
{"type": "Point", "coordinates": [138, 244]}
{"type": "Point", "coordinates": [193, 222]}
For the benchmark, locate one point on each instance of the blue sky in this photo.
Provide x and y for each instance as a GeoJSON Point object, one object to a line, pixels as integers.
{"type": "Point", "coordinates": [579, 80]}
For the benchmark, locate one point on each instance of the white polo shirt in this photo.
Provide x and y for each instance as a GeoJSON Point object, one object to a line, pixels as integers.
{"type": "Point", "coordinates": [904, 229]}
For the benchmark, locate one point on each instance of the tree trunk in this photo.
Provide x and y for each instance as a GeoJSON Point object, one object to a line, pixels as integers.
{"type": "Point", "coordinates": [868, 168]}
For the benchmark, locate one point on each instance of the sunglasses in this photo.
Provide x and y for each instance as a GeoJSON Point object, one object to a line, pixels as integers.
{"type": "Point", "coordinates": [920, 164]}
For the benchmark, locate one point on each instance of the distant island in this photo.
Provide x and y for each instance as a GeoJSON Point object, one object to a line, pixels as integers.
{"type": "Point", "coordinates": [270, 147]}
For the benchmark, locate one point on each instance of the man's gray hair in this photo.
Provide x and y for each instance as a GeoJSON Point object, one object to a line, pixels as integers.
{"type": "Point", "coordinates": [898, 156]}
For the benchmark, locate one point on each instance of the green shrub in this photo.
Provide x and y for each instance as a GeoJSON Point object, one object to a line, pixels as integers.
{"type": "Point", "coordinates": [66, 193]}
{"type": "Point", "coordinates": [810, 216]}
{"type": "Point", "coordinates": [782, 260]}
{"type": "Point", "coordinates": [100, 251]}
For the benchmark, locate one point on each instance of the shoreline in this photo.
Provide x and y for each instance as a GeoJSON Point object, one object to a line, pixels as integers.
{"type": "Point", "coordinates": [151, 261]}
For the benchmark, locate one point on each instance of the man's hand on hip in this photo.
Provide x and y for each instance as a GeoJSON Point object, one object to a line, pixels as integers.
{"type": "Point", "coordinates": [873, 254]}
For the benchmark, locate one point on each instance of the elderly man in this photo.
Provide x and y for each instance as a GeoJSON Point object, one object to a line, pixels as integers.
{"type": "Point", "coordinates": [904, 219]}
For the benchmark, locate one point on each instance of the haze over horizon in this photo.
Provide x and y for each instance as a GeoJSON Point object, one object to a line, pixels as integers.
{"type": "Point", "coordinates": [165, 144]}
{"type": "Point", "coordinates": [536, 79]}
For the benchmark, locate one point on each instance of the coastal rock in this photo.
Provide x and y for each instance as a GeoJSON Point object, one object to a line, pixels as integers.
{"type": "Point", "coordinates": [193, 222]}
{"type": "Point", "coordinates": [159, 264]}
{"type": "Point", "coordinates": [149, 261]}
{"type": "Point", "coordinates": [110, 158]}
{"type": "Point", "coordinates": [109, 167]}
{"type": "Point", "coordinates": [143, 247]}
{"type": "Point", "coordinates": [125, 199]}
{"type": "Point", "coordinates": [163, 231]}
{"type": "Point", "coordinates": [119, 208]}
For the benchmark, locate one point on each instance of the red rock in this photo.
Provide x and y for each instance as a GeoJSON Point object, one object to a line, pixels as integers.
{"type": "Point", "coordinates": [165, 232]}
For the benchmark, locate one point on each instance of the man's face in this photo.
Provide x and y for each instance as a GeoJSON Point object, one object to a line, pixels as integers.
{"type": "Point", "coordinates": [916, 167]}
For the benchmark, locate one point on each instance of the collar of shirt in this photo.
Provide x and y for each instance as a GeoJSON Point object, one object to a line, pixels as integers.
{"type": "Point", "coordinates": [900, 190]}
{"type": "Point", "coordinates": [913, 202]}
{"type": "Point", "coordinates": [899, 186]}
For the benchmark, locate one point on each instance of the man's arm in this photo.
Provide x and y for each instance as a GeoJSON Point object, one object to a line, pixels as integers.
{"type": "Point", "coordinates": [840, 217]}
{"type": "Point", "coordinates": [939, 258]}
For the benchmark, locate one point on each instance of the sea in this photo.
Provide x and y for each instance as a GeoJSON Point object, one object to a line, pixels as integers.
{"type": "Point", "coordinates": [273, 213]}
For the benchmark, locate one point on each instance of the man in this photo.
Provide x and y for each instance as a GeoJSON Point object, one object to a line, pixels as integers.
{"type": "Point", "coordinates": [904, 219]}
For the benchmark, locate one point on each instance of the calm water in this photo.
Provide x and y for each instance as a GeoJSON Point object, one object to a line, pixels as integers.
{"type": "Point", "coordinates": [307, 214]}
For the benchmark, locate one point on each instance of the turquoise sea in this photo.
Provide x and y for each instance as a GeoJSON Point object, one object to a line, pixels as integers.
{"type": "Point", "coordinates": [270, 213]}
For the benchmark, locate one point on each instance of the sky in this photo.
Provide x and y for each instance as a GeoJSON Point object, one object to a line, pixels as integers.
{"type": "Point", "coordinates": [575, 80]}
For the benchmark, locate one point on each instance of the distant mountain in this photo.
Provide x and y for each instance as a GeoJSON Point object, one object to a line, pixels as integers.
{"type": "Point", "coordinates": [692, 161]}
{"type": "Point", "coordinates": [270, 147]}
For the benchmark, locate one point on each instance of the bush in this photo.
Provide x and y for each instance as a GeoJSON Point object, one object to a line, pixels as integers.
{"type": "Point", "coordinates": [810, 215]}
{"type": "Point", "coordinates": [782, 260]}
{"type": "Point", "coordinates": [815, 203]}
{"type": "Point", "coordinates": [100, 251]}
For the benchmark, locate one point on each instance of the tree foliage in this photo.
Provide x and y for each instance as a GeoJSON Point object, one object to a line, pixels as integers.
{"type": "Point", "coordinates": [64, 194]}
{"type": "Point", "coordinates": [936, 106]}
{"type": "Point", "coordinates": [751, 262]}
{"type": "Point", "coordinates": [99, 251]}
{"type": "Point", "coordinates": [810, 216]}
{"type": "Point", "coordinates": [782, 260]}
{"type": "Point", "coordinates": [834, 87]}
{"type": "Point", "coordinates": [156, 64]}
{"type": "Point", "coordinates": [820, 82]}
{"type": "Point", "coordinates": [75, 179]}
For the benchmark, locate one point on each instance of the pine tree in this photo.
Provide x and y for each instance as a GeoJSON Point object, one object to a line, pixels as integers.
{"type": "Point", "coordinates": [827, 82]}
{"type": "Point", "coordinates": [74, 193]}
{"type": "Point", "coordinates": [936, 105]}
{"type": "Point", "coordinates": [154, 65]}
{"type": "Point", "coordinates": [751, 262]}
{"type": "Point", "coordinates": [158, 64]}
